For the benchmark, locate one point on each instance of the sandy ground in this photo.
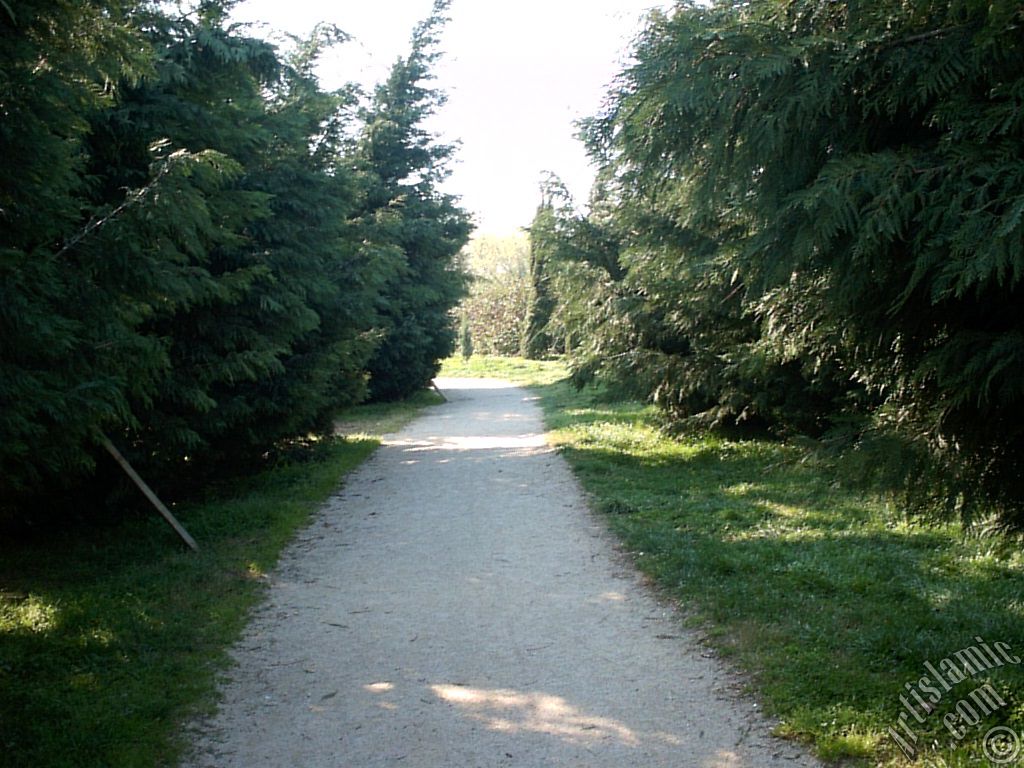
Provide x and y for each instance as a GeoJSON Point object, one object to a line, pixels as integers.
{"type": "Point", "coordinates": [457, 605]}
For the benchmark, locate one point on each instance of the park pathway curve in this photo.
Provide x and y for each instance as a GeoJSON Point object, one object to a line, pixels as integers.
{"type": "Point", "coordinates": [455, 605]}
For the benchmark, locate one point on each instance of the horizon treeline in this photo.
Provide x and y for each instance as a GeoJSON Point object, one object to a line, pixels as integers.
{"type": "Point", "coordinates": [202, 252]}
{"type": "Point", "coordinates": [808, 220]}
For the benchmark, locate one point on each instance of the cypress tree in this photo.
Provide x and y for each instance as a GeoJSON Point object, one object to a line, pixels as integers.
{"type": "Point", "coordinates": [536, 340]}
{"type": "Point", "coordinates": [68, 353]}
{"type": "Point", "coordinates": [182, 266]}
{"type": "Point", "coordinates": [407, 219]}
{"type": "Point", "coordinates": [848, 177]}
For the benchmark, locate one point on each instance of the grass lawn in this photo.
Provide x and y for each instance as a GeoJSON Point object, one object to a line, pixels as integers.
{"type": "Point", "coordinates": [109, 640]}
{"type": "Point", "coordinates": [532, 373]}
{"type": "Point", "coordinates": [831, 601]}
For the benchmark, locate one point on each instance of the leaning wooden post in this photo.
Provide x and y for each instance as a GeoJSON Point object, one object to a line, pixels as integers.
{"type": "Point", "coordinates": [154, 500]}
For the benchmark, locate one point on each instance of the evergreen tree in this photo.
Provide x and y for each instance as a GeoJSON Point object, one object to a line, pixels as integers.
{"type": "Point", "coordinates": [537, 340]}
{"type": "Point", "coordinates": [182, 266]}
{"type": "Point", "coordinates": [405, 217]}
{"type": "Point", "coordinates": [822, 221]}
{"type": "Point", "coordinates": [68, 353]}
{"type": "Point", "coordinates": [248, 359]}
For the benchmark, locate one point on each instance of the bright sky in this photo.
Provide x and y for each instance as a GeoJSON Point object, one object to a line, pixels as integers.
{"type": "Point", "coordinates": [517, 74]}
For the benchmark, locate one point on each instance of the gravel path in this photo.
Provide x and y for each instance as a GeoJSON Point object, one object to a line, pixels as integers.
{"type": "Point", "coordinates": [455, 605]}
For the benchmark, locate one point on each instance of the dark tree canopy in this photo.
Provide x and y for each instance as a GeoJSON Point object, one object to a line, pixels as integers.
{"type": "Point", "coordinates": [819, 211]}
{"type": "Point", "coordinates": [404, 208]}
{"type": "Point", "coordinates": [196, 257]}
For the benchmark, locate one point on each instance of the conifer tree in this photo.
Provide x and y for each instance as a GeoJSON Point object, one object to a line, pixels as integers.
{"type": "Point", "coordinates": [822, 210]}
{"type": "Point", "coordinates": [182, 263]}
{"type": "Point", "coordinates": [67, 349]}
{"type": "Point", "coordinates": [405, 216]}
{"type": "Point", "coordinates": [257, 235]}
{"type": "Point", "coordinates": [537, 339]}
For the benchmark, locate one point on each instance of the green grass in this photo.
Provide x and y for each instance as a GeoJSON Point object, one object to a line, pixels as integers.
{"type": "Point", "coordinates": [829, 600]}
{"type": "Point", "coordinates": [533, 373]}
{"type": "Point", "coordinates": [376, 419]}
{"type": "Point", "coordinates": [111, 639]}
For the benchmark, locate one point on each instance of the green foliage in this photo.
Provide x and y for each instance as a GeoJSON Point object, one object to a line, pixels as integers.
{"type": "Point", "coordinates": [537, 340]}
{"type": "Point", "coordinates": [574, 265]}
{"type": "Point", "coordinates": [64, 348]}
{"type": "Point", "coordinates": [499, 294]}
{"type": "Point", "coordinates": [273, 351]}
{"type": "Point", "coordinates": [818, 212]}
{"type": "Point", "coordinates": [405, 215]}
{"type": "Point", "coordinates": [196, 257]}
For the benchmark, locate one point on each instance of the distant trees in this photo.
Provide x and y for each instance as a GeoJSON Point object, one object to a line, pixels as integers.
{"type": "Point", "coordinates": [536, 336]}
{"type": "Point", "coordinates": [201, 253]}
{"type": "Point", "coordinates": [816, 218]}
{"type": "Point", "coordinates": [496, 310]}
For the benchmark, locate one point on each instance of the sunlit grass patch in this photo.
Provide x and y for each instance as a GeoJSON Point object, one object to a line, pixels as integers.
{"type": "Point", "coordinates": [30, 614]}
{"type": "Point", "coordinates": [517, 370]}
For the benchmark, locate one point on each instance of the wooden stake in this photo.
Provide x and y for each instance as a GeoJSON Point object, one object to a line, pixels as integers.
{"type": "Point", "coordinates": [432, 384]}
{"type": "Point", "coordinates": [154, 500]}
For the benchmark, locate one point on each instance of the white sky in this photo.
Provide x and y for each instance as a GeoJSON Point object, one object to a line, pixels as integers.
{"type": "Point", "coordinates": [517, 75]}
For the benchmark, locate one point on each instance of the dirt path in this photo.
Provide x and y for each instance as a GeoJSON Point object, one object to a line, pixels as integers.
{"type": "Point", "coordinates": [457, 606]}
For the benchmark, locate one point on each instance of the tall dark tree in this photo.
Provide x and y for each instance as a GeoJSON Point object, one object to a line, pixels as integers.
{"type": "Point", "coordinates": [68, 352]}
{"type": "Point", "coordinates": [537, 340]}
{"type": "Point", "coordinates": [195, 258]}
{"type": "Point", "coordinates": [404, 214]}
{"type": "Point", "coordinates": [822, 209]}
{"type": "Point", "coordinates": [249, 266]}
